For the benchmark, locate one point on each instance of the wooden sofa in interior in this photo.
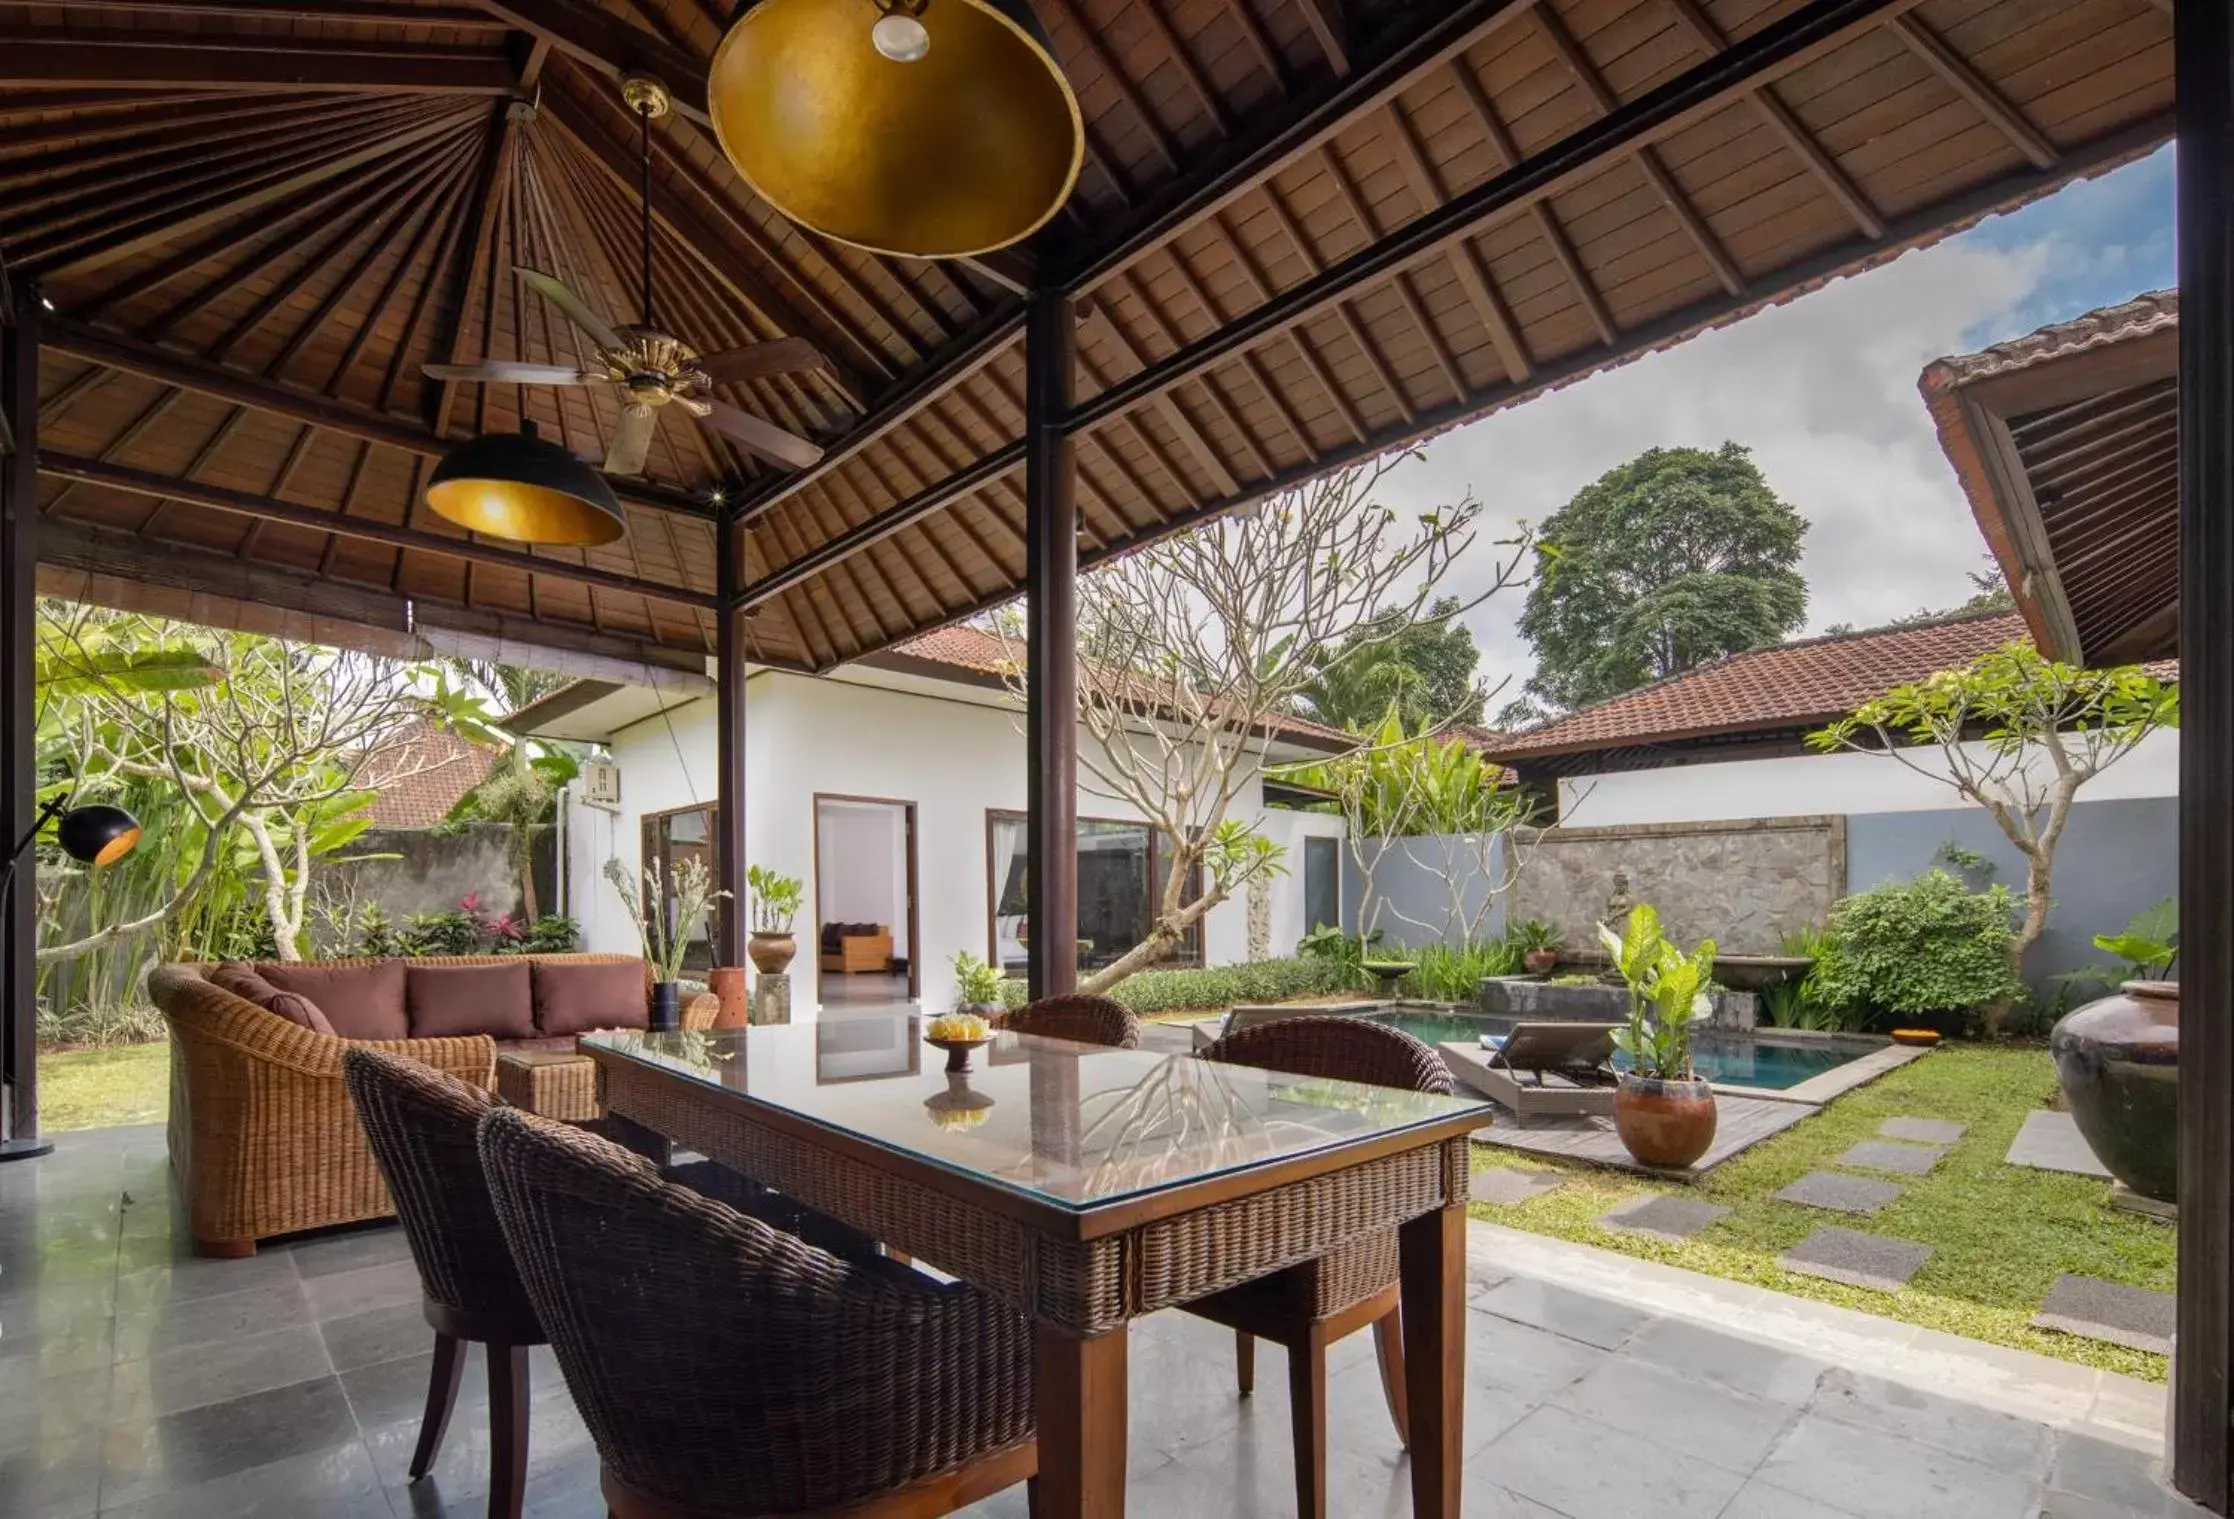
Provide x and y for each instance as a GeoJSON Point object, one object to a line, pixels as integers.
{"type": "Point", "coordinates": [850, 952]}
{"type": "Point", "coordinates": [262, 1136]}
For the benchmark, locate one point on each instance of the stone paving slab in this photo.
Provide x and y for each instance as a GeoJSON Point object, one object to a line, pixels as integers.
{"type": "Point", "coordinates": [1506, 1187]}
{"type": "Point", "coordinates": [1840, 1194]}
{"type": "Point", "coordinates": [1906, 1160]}
{"type": "Point", "coordinates": [2052, 1142]}
{"type": "Point", "coordinates": [1855, 1258]}
{"type": "Point", "coordinates": [1672, 1218]}
{"type": "Point", "coordinates": [1929, 1131]}
{"type": "Point", "coordinates": [2110, 1311]}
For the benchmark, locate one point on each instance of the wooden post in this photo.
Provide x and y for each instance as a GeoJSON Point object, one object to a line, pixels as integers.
{"type": "Point", "coordinates": [1051, 591]}
{"type": "Point", "coordinates": [19, 558]}
{"type": "Point", "coordinates": [729, 742]}
{"type": "Point", "coordinates": [2205, 1347]}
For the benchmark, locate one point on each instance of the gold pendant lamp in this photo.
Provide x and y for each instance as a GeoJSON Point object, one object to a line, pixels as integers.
{"type": "Point", "coordinates": [924, 128]}
{"type": "Point", "coordinates": [525, 488]}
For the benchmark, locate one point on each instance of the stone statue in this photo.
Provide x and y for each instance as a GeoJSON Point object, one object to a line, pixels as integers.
{"type": "Point", "coordinates": [1619, 903]}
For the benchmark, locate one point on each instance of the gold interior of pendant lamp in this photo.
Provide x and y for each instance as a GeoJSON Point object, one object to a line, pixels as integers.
{"type": "Point", "coordinates": [970, 147]}
{"type": "Point", "coordinates": [525, 488]}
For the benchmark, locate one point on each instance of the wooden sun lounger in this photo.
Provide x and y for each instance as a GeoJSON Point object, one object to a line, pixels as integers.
{"type": "Point", "coordinates": [1544, 1070]}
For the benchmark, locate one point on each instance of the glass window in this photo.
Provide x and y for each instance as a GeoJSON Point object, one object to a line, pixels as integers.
{"type": "Point", "coordinates": [671, 838]}
{"type": "Point", "coordinates": [1322, 884]}
{"type": "Point", "coordinates": [1120, 879]}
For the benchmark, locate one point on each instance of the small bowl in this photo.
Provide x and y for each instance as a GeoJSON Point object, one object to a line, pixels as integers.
{"type": "Point", "coordinates": [958, 1051]}
{"type": "Point", "coordinates": [1921, 1038]}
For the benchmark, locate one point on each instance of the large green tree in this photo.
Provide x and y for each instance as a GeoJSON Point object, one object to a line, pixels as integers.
{"type": "Point", "coordinates": [1422, 667]}
{"type": "Point", "coordinates": [1679, 557]}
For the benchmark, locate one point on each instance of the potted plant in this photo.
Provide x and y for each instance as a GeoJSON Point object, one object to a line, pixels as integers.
{"type": "Point", "coordinates": [1539, 944]}
{"type": "Point", "coordinates": [977, 986]}
{"type": "Point", "coordinates": [668, 916]}
{"type": "Point", "coordinates": [775, 902]}
{"type": "Point", "coordinates": [1663, 1112]}
{"type": "Point", "coordinates": [2118, 1058]}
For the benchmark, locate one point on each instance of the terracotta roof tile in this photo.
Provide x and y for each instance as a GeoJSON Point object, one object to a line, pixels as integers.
{"type": "Point", "coordinates": [1804, 683]}
{"type": "Point", "coordinates": [2150, 311]}
{"type": "Point", "coordinates": [422, 774]}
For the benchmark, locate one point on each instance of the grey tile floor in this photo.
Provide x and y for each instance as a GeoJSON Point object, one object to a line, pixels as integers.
{"type": "Point", "coordinates": [137, 1382]}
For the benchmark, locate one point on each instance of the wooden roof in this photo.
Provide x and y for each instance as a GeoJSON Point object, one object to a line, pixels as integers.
{"type": "Point", "coordinates": [2067, 442]}
{"type": "Point", "coordinates": [1308, 230]}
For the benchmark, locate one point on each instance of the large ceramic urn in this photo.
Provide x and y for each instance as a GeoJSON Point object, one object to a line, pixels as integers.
{"type": "Point", "coordinates": [2119, 1062]}
{"type": "Point", "coordinates": [1667, 1124]}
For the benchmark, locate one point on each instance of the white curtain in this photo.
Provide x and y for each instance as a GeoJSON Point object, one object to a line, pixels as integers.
{"type": "Point", "coordinates": [1008, 851]}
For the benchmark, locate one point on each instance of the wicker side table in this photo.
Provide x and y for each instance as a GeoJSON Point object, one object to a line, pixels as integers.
{"type": "Point", "coordinates": [549, 1084]}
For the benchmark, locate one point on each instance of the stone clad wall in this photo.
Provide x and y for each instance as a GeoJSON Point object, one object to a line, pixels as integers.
{"type": "Point", "coordinates": [1743, 884]}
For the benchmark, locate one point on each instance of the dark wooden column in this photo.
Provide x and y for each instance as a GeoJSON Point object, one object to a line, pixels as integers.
{"type": "Point", "coordinates": [19, 558]}
{"type": "Point", "coordinates": [2201, 1406]}
{"type": "Point", "coordinates": [729, 742]}
{"type": "Point", "coordinates": [1051, 589]}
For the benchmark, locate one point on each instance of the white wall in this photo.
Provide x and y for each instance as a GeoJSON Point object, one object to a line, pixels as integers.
{"type": "Point", "coordinates": [1800, 785]}
{"type": "Point", "coordinates": [954, 759]}
{"type": "Point", "coordinates": [861, 873]}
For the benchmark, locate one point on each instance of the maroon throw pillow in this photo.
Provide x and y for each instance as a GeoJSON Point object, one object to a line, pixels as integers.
{"type": "Point", "coordinates": [359, 1001]}
{"type": "Point", "coordinates": [447, 1000]}
{"type": "Point", "coordinates": [243, 981]}
{"type": "Point", "coordinates": [575, 997]}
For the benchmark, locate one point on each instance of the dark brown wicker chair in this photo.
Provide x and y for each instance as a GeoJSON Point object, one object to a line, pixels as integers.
{"type": "Point", "coordinates": [1308, 1307]}
{"type": "Point", "coordinates": [725, 1368]}
{"type": "Point", "coordinates": [421, 1126]}
{"type": "Point", "coordinates": [1080, 1017]}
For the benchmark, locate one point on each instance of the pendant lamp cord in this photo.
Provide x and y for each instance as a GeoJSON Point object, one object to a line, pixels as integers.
{"type": "Point", "coordinates": [644, 188]}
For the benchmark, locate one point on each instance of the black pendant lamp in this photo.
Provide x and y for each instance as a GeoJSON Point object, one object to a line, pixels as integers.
{"type": "Point", "coordinates": [525, 488]}
{"type": "Point", "coordinates": [98, 834]}
{"type": "Point", "coordinates": [925, 128]}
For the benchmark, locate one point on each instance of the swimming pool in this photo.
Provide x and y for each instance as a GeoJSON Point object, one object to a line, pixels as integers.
{"type": "Point", "coordinates": [1726, 1059]}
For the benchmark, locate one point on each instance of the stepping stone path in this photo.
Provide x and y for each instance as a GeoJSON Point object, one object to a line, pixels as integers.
{"type": "Point", "coordinates": [1857, 1259]}
{"type": "Point", "coordinates": [1505, 1187]}
{"type": "Point", "coordinates": [1840, 1194]}
{"type": "Point", "coordinates": [1929, 1131]}
{"type": "Point", "coordinates": [1670, 1218]}
{"type": "Point", "coordinates": [1907, 1160]}
{"type": "Point", "coordinates": [2110, 1311]}
{"type": "Point", "coordinates": [2052, 1142]}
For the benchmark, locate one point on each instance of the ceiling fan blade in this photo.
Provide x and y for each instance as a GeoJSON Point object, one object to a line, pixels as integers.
{"type": "Point", "coordinates": [504, 372]}
{"type": "Point", "coordinates": [754, 360]}
{"type": "Point", "coordinates": [601, 332]}
{"type": "Point", "coordinates": [770, 442]}
{"type": "Point", "coordinates": [632, 441]}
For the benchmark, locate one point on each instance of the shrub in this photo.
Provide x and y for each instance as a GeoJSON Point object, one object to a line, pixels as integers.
{"type": "Point", "coordinates": [99, 1025]}
{"type": "Point", "coordinates": [1798, 1002]}
{"type": "Point", "coordinates": [1217, 986]}
{"type": "Point", "coordinates": [1917, 948]}
{"type": "Point", "coordinates": [1454, 972]}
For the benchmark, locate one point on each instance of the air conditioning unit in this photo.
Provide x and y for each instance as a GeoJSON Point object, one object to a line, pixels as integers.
{"type": "Point", "coordinates": [601, 784]}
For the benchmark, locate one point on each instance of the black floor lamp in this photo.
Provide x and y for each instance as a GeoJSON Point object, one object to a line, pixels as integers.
{"type": "Point", "coordinates": [95, 835]}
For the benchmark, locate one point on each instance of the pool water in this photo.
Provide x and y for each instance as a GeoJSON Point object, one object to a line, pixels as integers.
{"type": "Point", "coordinates": [1731, 1059]}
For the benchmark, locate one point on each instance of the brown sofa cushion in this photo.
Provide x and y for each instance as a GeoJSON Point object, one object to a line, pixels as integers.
{"type": "Point", "coordinates": [243, 981]}
{"type": "Point", "coordinates": [359, 1001]}
{"type": "Point", "coordinates": [447, 1000]}
{"type": "Point", "coordinates": [575, 997]}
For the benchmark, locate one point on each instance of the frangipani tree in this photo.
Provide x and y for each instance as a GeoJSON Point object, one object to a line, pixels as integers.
{"type": "Point", "coordinates": [1195, 649]}
{"type": "Point", "coordinates": [2018, 735]}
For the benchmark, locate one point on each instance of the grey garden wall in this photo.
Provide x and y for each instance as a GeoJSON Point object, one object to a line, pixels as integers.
{"type": "Point", "coordinates": [432, 870]}
{"type": "Point", "coordinates": [2116, 858]}
{"type": "Point", "coordinates": [1410, 880]}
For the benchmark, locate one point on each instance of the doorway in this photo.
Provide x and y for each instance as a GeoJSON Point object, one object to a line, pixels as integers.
{"type": "Point", "coordinates": [866, 920]}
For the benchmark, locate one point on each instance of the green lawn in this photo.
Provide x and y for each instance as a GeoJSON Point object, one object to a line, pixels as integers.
{"type": "Point", "coordinates": [2001, 1234]}
{"type": "Point", "coordinates": [99, 1089]}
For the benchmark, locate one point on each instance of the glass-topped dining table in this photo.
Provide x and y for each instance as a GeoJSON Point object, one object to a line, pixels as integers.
{"type": "Point", "coordinates": [1086, 1187]}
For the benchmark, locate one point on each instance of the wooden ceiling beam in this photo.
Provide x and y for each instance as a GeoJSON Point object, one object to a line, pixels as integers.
{"type": "Point", "coordinates": [60, 335]}
{"type": "Point", "coordinates": [1965, 81]}
{"type": "Point", "coordinates": [140, 482]}
{"type": "Point", "coordinates": [1360, 333]}
{"type": "Point", "coordinates": [1321, 376]}
{"type": "Point", "coordinates": [476, 253]}
{"type": "Point", "coordinates": [354, 12]}
{"type": "Point", "coordinates": [1407, 295]}
{"type": "Point", "coordinates": [1794, 40]}
{"type": "Point", "coordinates": [1330, 30]}
{"type": "Point", "coordinates": [1473, 275]}
{"type": "Point", "coordinates": [609, 46]}
{"type": "Point", "coordinates": [80, 60]}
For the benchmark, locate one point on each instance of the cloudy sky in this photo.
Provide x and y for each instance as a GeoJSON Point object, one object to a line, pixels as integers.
{"type": "Point", "coordinates": [1824, 393]}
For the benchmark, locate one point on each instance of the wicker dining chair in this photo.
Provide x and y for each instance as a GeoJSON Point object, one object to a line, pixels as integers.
{"type": "Point", "coordinates": [1308, 1307]}
{"type": "Point", "coordinates": [421, 1127]}
{"type": "Point", "coordinates": [725, 1368]}
{"type": "Point", "coordinates": [1080, 1017]}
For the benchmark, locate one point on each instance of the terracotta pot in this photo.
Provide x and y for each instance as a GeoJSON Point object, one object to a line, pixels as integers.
{"type": "Point", "coordinates": [2119, 1062]}
{"type": "Point", "coordinates": [728, 983]}
{"type": "Point", "coordinates": [771, 953]}
{"type": "Point", "coordinates": [1541, 962]}
{"type": "Point", "coordinates": [1668, 1124]}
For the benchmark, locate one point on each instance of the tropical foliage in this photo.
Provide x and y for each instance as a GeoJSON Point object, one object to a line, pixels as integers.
{"type": "Point", "coordinates": [1930, 947]}
{"type": "Point", "coordinates": [775, 899]}
{"type": "Point", "coordinates": [1422, 669]}
{"type": "Point", "coordinates": [1668, 992]}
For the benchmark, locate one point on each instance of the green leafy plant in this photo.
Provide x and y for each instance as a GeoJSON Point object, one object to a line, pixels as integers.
{"type": "Point", "coordinates": [2150, 945]}
{"type": "Point", "coordinates": [775, 899]}
{"type": "Point", "coordinates": [1454, 972]}
{"type": "Point", "coordinates": [976, 984]}
{"type": "Point", "coordinates": [1668, 992]}
{"type": "Point", "coordinates": [1530, 935]}
{"type": "Point", "coordinates": [1920, 948]}
{"type": "Point", "coordinates": [1577, 978]}
{"type": "Point", "coordinates": [1797, 1002]}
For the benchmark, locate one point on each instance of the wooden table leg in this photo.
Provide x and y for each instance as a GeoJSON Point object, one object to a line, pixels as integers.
{"type": "Point", "coordinates": [1432, 1249]}
{"type": "Point", "coordinates": [1082, 1413]}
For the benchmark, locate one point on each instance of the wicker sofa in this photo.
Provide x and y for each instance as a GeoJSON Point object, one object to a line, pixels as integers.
{"type": "Point", "coordinates": [262, 1136]}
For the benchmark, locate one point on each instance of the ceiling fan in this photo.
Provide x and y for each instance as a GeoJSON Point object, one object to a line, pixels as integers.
{"type": "Point", "coordinates": [654, 367]}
